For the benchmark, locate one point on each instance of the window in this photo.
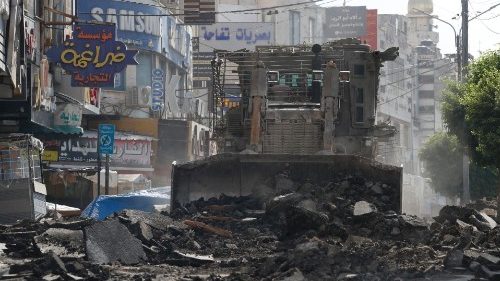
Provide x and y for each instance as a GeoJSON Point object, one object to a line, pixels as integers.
{"type": "Point", "coordinates": [312, 24]}
{"type": "Point", "coordinates": [359, 70]}
{"type": "Point", "coordinates": [426, 109]}
{"type": "Point", "coordinates": [144, 69]}
{"type": "Point", "coordinates": [294, 27]}
{"type": "Point", "coordinates": [426, 79]}
{"type": "Point", "coordinates": [426, 94]}
{"type": "Point", "coordinates": [120, 84]}
{"type": "Point", "coordinates": [360, 106]}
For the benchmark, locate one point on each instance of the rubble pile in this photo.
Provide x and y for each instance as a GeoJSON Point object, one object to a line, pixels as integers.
{"type": "Point", "coordinates": [343, 229]}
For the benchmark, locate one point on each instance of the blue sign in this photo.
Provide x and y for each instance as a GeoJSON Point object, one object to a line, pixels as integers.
{"type": "Point", "coordinates": [158, 89]}
{"type": "Point", "coordinates": [142, 32]}
{"type": "Point", "coordinates": [106, 138]}
{"type": "Point", "coordinates": [93, 56]}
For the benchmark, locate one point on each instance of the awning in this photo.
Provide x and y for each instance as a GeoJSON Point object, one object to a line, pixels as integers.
{"type": "Point", "coordinates": [44, 132]}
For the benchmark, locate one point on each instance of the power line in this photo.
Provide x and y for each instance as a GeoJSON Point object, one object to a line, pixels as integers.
{"type": "Point", "coordinates": [218, 12]}
{"type": "Point", "coordinates": [404, 94]}
{"type": "Point", "coordinates": [487, 10]}
{"type": "Point", "coordinates": [420, 73]}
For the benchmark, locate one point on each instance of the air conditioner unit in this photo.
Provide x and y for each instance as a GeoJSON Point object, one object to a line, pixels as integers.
{"type": "Point", "coordinates": [139, 96]}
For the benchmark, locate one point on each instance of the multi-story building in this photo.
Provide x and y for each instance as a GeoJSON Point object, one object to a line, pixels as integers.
{"type": "Point", "coordinates": [397, 83]}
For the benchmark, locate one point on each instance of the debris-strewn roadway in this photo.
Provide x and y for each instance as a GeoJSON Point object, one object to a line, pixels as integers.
{"type": "Point", "coordinates": [345, 229]}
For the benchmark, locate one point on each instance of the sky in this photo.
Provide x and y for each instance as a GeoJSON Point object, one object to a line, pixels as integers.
{"type": "Point", "coordinates": [484, 32]}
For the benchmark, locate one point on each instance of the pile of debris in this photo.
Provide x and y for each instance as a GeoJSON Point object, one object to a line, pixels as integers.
{"type": "Point", "coordinates": [344, 229]}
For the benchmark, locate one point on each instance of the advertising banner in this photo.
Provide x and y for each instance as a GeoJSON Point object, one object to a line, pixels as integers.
{"type": "Point", "coordinates": [233, 36]}
{"type": "Point", "coordinates": [93, 56]}
{"type": "Point", "coordinates": [142, 32]}
{"type": "Point", "coordinates": [345, 22]}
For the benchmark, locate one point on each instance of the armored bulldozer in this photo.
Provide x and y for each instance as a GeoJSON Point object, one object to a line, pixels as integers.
{"type": "Point", "coordinates": [309, 110]}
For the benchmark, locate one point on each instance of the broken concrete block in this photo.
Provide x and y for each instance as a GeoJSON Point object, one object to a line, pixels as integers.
{"type": "Point", "coordinates": [353, 240]}
{"type": "Point", "coordinates": [111, 241]}
{"type": "Point", "coordinates": [195, 260]}
{"type": "Point", "coordinates": [395, 231]}
{"type": "Point", "coordinates": [454, 258]}
{"type": "Point", "coordinates": [488, 220]}
{"type": "Point", "coordinates": [293, 274]}
{"type": "Point", "coordinates": [363, 207]}
{"type": "Point", "coordinates": [487, 259]}
{"type": "Point", "coordinates": [474, 266]}
{"type": "Point", "coordinates": [154, 220]}
{"type": "Point", "coordinates": [145, 231]}
{"type": "Point", "coordinates": [377, 189]}
{"type": "Point", "coordinates": [52, 277]}
{"type": "Point", "coordinates": [490, 274]}
{"type": "Point", "coordinates": [4, 269]}
{"type": "Point", "coordinates": [61, 241]}
{"type": "Point", "coordinates": [283, 183]}
{"type": "Point", "coordinates": [253, 231]}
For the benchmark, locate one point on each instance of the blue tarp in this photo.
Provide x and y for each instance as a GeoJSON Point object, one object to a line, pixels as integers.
{"type": "Point", "coordinates": [105, 205]}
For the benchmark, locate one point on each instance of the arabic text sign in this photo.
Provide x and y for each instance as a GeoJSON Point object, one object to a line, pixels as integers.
{"type": "Point", "coordinates": [93, 56]}
{"type": "Point", "coordinates": [345, 22]}
{"type": "Point", "coordinates": [68, 115]}
{"type": "Point", "coordinates": [235, 36]}
{"type": "Point", "coordinates": [129, 153]}
{"type": "Point", "coordinates": [106, 138]}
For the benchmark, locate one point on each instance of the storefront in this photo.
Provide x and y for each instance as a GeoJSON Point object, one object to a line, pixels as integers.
{"type": "Point", "coordinates": [164, 57]}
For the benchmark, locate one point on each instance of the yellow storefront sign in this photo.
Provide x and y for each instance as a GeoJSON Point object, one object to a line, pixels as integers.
{"type": "Point", "coordinates": [50, 156]}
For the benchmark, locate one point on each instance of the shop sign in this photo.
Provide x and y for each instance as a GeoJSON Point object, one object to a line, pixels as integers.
{"type": "Point", "coordinates": [50, 156]}
{"type": "Point", "coordinates": [134, 29]}
{"type": "Point", "coordinates": [130, 153]}
{"type": "Point", "coordinates": [233, 36]}
{"type": "Point", "coordinates": [93, 56]}
{"type": "Point", "coordinates": [68, 115]}
{"type": "Point", "coordinates": [158, 89]}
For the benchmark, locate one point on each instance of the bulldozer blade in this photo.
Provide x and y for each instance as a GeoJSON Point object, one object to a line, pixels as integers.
{"type": "Point", "coordinates": [240, 174]}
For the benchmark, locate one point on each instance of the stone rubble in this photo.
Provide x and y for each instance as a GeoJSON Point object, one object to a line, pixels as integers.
{"type": "Point", "coordinates": [345, 229]}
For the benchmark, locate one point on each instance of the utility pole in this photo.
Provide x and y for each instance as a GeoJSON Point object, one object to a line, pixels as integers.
{"type": "Point", "coordinates": [465, 63]}
{"type": "Point", "coordinates": [465, 38]}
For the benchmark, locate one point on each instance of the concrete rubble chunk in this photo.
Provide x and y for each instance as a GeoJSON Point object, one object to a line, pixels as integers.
{"type": "Point", "coordinates": [110, 241]}
{"type": "Point", "coordinates": [154, 220]}
{"type": "Point", "coordinates": [354, 240]}
{"type": "Point", "coordinates": [377, 189]}
{"type": "Point", "coordinates": [283, 183]}
{"type": "Point", "coordinates": [146, 233]}
{"type": "Point", "coordinates": [454, 258]}
{"type": "Point", "coordinates": [293, 274]}
{"type": "Point", "coordinates": [363, 208]}
{"type": "Point", "coordinates": [488, 259]}
{"type": "Point", "coordinates": [492, 275]}
{"type": "Point", "coordinates": [61, 241]}
{"type": "Point", "coordinates": [4, 269]}
{"type": "Point", "coordinates": [488, 220]}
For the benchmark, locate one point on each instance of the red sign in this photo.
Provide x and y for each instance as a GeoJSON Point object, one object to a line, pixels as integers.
{"type": "Point", "coordinates": [371, 37]}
